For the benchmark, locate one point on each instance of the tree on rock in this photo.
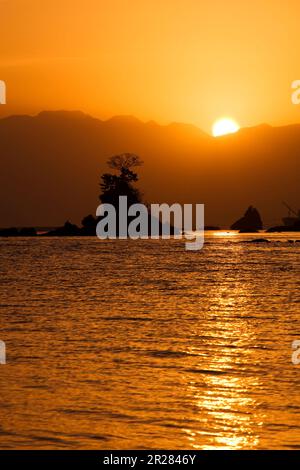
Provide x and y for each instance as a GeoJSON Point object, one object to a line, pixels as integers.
{"type": "Point", "coordinates": [121, 184]}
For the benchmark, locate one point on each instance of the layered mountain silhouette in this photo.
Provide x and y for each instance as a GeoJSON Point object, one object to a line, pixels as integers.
{"type": "Point", "coordinates": [50, 167]}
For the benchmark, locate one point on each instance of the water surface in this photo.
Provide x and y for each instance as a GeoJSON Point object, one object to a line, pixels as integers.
{"type": "Point", "coordinates": [140, 344]}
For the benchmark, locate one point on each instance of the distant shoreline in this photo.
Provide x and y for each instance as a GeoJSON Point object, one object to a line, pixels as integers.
{"type": "Point", "coordinates": [55, 232]}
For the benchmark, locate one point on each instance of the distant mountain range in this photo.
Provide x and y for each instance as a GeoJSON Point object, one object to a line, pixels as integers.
{"type": "Point", "coordinates": [50, 166]}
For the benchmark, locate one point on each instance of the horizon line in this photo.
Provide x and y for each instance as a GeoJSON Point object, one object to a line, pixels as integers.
{"type": "Point", "coordinates": [140, 121]}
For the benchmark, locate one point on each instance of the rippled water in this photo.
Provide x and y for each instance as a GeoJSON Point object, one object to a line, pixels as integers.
{"type": "Point", "coordinates": [140, 344]}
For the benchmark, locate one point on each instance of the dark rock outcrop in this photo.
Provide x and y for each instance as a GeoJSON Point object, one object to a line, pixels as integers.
{"type": "Point", "coordinates": [245, 230]}
{"type": "Point", "coordinates": [88, 229]}
{"type": "Point", "coordinates": [14, 232]}
{"type": "Point", "coordinates": [68, 230]}
{"type": "Point", "coordinates": [250, 222]}
{"type": "Point", "coordinates": [285, 228]}
{"type": "Point", "coordinates": [259, 240]}
{"type": "Point", "coordinates": [9, 232]}
{"type": "Point", "coordinates": [89, 224]}
{"type": "Point", "coordinates": [27, 232]}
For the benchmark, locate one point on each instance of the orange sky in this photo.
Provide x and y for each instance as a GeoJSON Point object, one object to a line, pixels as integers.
{"type": "Point", "coordinates": [168, 60]}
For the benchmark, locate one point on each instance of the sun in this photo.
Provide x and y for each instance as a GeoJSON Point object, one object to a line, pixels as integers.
{"type": "Point", "coordinates": [224, 126]}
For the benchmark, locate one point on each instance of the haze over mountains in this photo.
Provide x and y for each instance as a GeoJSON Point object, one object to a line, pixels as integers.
{"type": "Point", "coordinates": [50, 167]}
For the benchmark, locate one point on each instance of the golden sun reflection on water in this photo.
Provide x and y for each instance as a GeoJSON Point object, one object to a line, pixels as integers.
{"type": "Point", "coordinates": [229, 415]}
{"type": "Point", "coordinates": [223, 233]}
{"type": "Point", "coordinates": [230, 409]}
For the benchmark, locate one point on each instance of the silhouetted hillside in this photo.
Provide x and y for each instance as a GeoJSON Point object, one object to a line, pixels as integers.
{"type": "Point", "coordinates": [51, 165]}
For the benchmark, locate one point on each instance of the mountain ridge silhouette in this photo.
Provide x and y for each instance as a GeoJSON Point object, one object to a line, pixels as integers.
{"type": "Point", "coordinates": [51, 163]}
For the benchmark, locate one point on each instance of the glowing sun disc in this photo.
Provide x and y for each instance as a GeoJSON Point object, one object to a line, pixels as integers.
{"type": "Point", "coordinates": [224, 126]}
